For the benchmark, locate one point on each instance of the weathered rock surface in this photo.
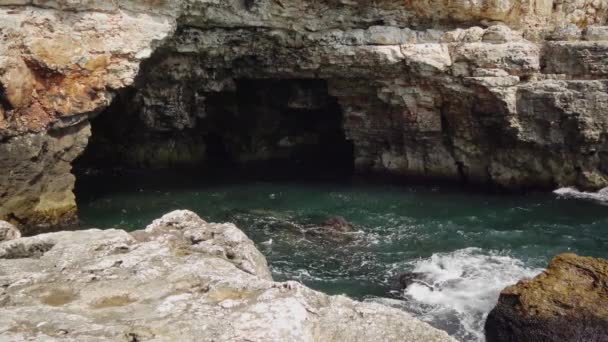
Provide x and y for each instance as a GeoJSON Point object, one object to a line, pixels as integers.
{"type": "Point", "coordinates": [475, 105]}
{"type": "Point", "coordinates": [58, 65]}
{"type": "Point", "coordinates": [502, 92]}
{"type": "Point", "coordinates": [8, 231]}
{"type": "Point", "coordinates": [567, 302]}
{"type": "Point", "coordinates": [180, 279]}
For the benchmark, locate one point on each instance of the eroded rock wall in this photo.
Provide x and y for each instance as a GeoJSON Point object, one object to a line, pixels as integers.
{"type": "Point", "coordinates": [478, 105]}
{"type": "Point", "coordinates": [510, 93]}
{"type": "Point", "coordinates": [60, 62]}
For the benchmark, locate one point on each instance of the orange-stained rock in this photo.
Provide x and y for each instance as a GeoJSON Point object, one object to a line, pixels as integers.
{"type": "Point", "coordinates": [59, 65]}
{"type": "Point", "coordinates": [567, 302]}
{"type": "Point", "coordinates": [443, 89]}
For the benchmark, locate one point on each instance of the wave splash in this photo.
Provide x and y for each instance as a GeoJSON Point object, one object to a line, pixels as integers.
{"type": "Point", "coordinates": [460, 288]}
{"type": "Point", "coordinates": [600, 196]}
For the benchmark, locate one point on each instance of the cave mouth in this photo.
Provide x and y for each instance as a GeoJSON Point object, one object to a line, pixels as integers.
{"type": "Point", "coordinates": [261, 128]}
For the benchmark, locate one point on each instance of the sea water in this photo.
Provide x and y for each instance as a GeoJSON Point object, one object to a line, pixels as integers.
{"type": "Point", "coordinates": [468, 245]}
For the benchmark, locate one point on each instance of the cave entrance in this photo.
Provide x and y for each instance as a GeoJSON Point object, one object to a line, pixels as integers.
{"type": "Point", "coordinates": [286, 126]}
{"type": "Point", "coordinates": [265, 128]}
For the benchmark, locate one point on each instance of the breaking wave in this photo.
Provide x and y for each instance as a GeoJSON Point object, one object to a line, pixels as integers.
{"type": "Point", "coordinates": [457, 290]}
{"type": "Point", "coordinates": [600, 196]}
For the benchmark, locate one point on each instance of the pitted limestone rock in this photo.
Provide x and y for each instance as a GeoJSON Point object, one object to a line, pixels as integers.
{"type": "Point", "coordinates": [158, 285]}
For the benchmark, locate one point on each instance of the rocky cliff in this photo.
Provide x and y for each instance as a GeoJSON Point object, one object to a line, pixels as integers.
{"type": "Point", "coordinates": [180, 279]}
{"type": "Point", "coordinates": [61, 62]}
{"type": "Point", "coordinates": [503, 92]}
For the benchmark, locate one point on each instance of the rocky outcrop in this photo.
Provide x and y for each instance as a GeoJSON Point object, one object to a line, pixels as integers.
{"type": "Point", "coordinates": [8, 231]}
{"type": "Point", "coordinates": [508, 93]}
{"type": "Point", "coordinates": [567, 302]}
{"type": "Point", "coordinates": [426, 104]}
{"type": "Point", "coordinates": [60, 62]}
{"type": "Point", "coordinates": [179, 279]}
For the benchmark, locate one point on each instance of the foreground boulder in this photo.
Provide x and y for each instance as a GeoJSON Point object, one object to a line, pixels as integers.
{"type": "Point", "coordinates": [180, 279]}
{"type": "Point", "coordinates": [567, 302]}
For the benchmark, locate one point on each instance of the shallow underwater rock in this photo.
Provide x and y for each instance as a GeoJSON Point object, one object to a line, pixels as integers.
{"type": "Point", "coordinates": [338, 224]}
{"type": "Point", "coordinates": [567, 302]}
{"type": "Point", "coordinates": [333, 229]}
{"type": "Point", "coordinates": [180, 279]}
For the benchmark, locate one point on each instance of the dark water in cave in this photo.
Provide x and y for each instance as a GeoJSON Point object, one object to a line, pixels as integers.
{"type": "Point", "coordinates": [470, 245]}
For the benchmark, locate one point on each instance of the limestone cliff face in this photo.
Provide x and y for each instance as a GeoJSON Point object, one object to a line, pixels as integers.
{"type": "Point", "coordinates": [505, 92]}
{"type": "Point", "coordinates": [60, 62]}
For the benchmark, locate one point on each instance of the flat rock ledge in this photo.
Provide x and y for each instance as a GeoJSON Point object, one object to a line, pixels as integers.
{"type": "Point", "coordinates": [180, 279]}
{"type": "Point", "coordinates": [567, 302]}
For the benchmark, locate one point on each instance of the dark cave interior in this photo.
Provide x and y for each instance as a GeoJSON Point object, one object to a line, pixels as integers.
{"type": "Point", "coordinates": [263, 128]}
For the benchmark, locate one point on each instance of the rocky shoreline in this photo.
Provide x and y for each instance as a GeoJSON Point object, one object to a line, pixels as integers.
{"type": "Point", "coordinates": [179, 279]}
{"type": "Point", "coordinates": [567, 302]}
{"type": "Point", "coordinates": [182, 278]}
{"type": "Point", "coordinates": [502, 93]}
{"type": "Point", "coordinates": [506, 93]}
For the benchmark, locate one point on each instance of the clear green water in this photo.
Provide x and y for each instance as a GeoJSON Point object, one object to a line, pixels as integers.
{"type": "Point", "coordinates": [468, 244]}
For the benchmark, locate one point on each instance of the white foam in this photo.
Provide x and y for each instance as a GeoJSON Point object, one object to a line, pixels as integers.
{"type": "Point", "coordinates": [601, 196]}
{"type": "Point", "coordinates": [460, 288]}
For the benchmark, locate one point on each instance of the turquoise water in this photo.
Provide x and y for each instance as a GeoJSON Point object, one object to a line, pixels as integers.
{"type": "Point", "coordinates": [469, 245]}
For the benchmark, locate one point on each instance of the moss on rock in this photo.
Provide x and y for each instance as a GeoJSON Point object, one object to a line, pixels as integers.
{"type": "Point", "coordinates": [567, 302]}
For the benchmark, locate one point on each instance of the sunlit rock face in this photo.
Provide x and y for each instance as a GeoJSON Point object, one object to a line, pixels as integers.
{"type": "Point", "coordinates": [507, 93]}
{"type": "Point", "coordinates": [564, 303]}
{"type": "Point", "coordinates": [180, 279]}
{"type": "Point", "coordinates": [58, 65]}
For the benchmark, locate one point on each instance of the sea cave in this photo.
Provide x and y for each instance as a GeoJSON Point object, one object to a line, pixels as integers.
{"type": "Point", "coordinates": [268, 170]}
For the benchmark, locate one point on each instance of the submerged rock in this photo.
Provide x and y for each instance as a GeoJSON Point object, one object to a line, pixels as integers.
{"type": "Point", "coordinates": [404, 280]}
{"type": "Point", "coordinates": [338, 224]}
{"type": "Point", "coordinates": [180, 279]}
{"type": "Point", "coordinates": [333, 229]}
{"type": "Point", "coordinates": [567, 302]}
{"type": "Point", "coordinates": [8, 231]}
